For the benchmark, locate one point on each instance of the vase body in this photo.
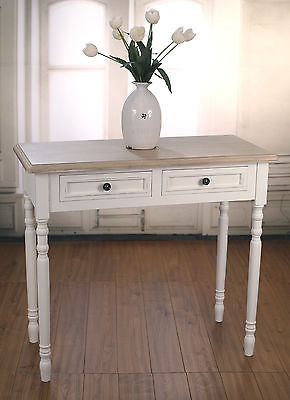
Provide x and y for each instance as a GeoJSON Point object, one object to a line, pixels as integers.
{"type": "Point", "coordinates": [141, 118]}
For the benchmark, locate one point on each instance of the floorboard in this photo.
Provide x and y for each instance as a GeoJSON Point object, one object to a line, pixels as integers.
{"type": "Point", "coordinates": [134, 320]}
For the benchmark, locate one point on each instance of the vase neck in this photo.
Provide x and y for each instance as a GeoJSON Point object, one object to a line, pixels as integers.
{"type": "Point", "coordinates": [142, 85]}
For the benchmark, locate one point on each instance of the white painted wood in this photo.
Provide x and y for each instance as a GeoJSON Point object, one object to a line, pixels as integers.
{"type": "Point", "coordinates": [155, 197]}
{"type": "Point", "coordinates": [178, 181]}
{"type": "Point", "coordinates": [222, 245]}
{"type": "Point", "coordinates": [262, 183]}
{"type": "Point", "coordinates": [48, 189]}
{"type": "Point", "coordinates": [253, 278]}
{"type": "Point", "coordinates": [43, 299]}
{"type": "Point", "coordinates": [89, 186]}
{"type": "Point", "coordinates": [31, 273]}
{"type": "Point", "coordinates": [42, 196]}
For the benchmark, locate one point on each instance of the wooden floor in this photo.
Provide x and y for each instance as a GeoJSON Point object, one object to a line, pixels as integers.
{"type": "Point", "coordinates": [134, 320]}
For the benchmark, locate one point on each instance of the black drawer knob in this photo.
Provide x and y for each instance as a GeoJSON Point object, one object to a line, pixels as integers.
{"type": "Point", "coordinates": [107, 186]}
{"type": "Point", "coordinates": [205, 181]}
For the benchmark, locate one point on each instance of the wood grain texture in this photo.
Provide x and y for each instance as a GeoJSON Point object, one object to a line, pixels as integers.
{"type": "Point", "coordinates": [195, 347]}
{"type": "Point", "coordinates": [224, 338]}
{"type": "Point", "coordinates": [207, 386]}
{"type": "Point", "coordinates": [101, 387]}
{"type": "Point", "coordinates": [171, 387]}
{"type": "Point", "coordinates": [273, 385]}
{"type": "Point", "coordinates": [101, 336]}
{"type": "Point", "coordinates": [161, 327]}
{"type": "Point", "coordinates": [136, 386]}
{"type": "Point", "coordinates": [107, 154]}
{"type": "Point", "coordinates": [69, 346]}
{"type": "Point", "coordinates": [133, 350]}
{"type": "Point", "coordinates": [6, 385]}
{"type": "Point", "coordinates": [13, 324]}
{"type": "Point", "coordinates": [241, 385]}
{"type": "Point", "coordinates": [83, 304]}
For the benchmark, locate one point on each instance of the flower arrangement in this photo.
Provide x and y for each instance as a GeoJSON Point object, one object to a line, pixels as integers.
{"type": "Point", "coordinates": [142, 63]}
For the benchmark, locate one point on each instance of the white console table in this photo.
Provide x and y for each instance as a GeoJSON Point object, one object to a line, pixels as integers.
{"type": "Point", "coordinates": [84, 175]}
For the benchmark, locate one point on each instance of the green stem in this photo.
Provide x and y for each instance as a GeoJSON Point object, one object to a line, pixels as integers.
{"type": "Point", "coordinates": [149, 34]}
{"type": "Point", "coordinates": [168, 52]}
{"type": "Point", "coordinates": [123, 39]}
{"type": "Point", "coordinates": [163, 50]}
{"type": "Point", "coordinates": [110, 58]}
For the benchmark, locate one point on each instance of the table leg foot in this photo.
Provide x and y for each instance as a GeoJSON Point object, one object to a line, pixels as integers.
{"type": "Point", "coordinates": [249, 341]}
{"type": "Point", "coordinates": [33, 331]}
{"type": "Point", "coordinates": [219, 312]}
{"type": "Point", "coordinates": [45, 367]}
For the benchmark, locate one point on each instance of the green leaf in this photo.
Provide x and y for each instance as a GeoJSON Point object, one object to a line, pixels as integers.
{"type": "Point", "coordinates": [133, 53]}
{"type": "Point", "coordinates": [165, 77]}
{"type": "Point", "coordinates": [126, 65]}
{"type": "Point", "coordinates": [156, 64]}
{"type": "Point", "coordinates": [119, 60]}
{"type": "Point", "coordinates": [141, 46]}
{"type": "Point", "coordinates": [160, 77]}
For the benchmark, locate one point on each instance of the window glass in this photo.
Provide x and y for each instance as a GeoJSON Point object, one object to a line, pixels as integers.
{"type": "Point", "coordinates": [183, 66]}
{"type": "Point", "coordinates": [76, 109]}
{"type": "Point", "coordinates": [71, 25]}
{"type": "Point", "coordinates": [76, 84]}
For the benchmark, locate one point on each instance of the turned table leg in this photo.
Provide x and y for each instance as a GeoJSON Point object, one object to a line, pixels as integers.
{"type": "Point", "coordinates": [43, 299]}
{"type": "Point", "coordinates": [253, 279]}
{"type": "Point", "coordinates": [31, 275]}
{"type": "Point", "coordinates": [222, 244]}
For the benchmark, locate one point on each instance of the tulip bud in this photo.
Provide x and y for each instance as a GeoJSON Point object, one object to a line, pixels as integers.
{"type": "Point", "coordinates": [116, 22]}
{"type": "Point", "coordinates": [152, 16]}
{"type": "Point", "coordinates": [188, 35]}
{"type": "Point", "coordinates": [137, 33]}
{"type": "Point", "coordinates": [90, 50]}
{"type": "Point", "coordinates": [178, 36]}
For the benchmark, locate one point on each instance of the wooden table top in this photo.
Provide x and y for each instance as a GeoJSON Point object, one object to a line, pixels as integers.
{"type": "Point", "coordinates": [48, 157]}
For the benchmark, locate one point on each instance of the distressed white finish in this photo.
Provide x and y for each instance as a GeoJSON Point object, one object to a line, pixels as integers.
{"type": "Point", "coordinates": [43, 299]}
{"type": "Point", "coordinates": [222, 245]}
{"type": "Point", "coordinates": [31, 273]}
{"type": "Point", "coordinates": [164, 178]}
{"type": "Point", "coordinates": [255, 257]}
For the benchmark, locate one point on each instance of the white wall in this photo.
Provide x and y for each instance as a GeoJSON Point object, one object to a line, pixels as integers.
{"type": "Point", "coordinates": [263, 118]}
{"type": "Point", "coordinates": [264, 96]}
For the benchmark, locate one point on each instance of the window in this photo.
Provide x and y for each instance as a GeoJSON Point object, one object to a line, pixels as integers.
{"type": "Point", "coordinates": [82, 98]}
{"type": "Point", "coordinates": [76, 85]}
{"type": "Point", "coordinates": [181, 111]}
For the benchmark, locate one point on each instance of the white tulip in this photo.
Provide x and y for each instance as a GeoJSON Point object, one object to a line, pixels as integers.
{"type": "Point", "coordinates": [137, 33]}
{"type": "Point", "coordinates": [178, 36]}
{"type": "Point", "coordinates": [116, 34]}
{"type": "Point", "coordinates": [116, 22]}
{"type": "Point", "coordinates": [188, 35]}
{"type": "Point", "coordinates": [90, 50]}
{"type": "Point", "coordinates": [152, 16]}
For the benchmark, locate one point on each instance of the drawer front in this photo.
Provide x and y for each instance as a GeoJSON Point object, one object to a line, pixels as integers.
{"type": "Point", "coordinates": [207, 180]}
{"type": "Point", "coordinates": [102, 186]}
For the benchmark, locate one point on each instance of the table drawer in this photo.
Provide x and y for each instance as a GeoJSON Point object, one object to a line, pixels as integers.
{"type": "Point", "coordinates": [207, 180]}
{"type": "Point", "coordinates": [105, 185]}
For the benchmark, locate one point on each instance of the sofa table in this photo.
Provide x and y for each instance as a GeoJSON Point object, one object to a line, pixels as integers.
{"type": "Point", "coordinates": [102, 174]}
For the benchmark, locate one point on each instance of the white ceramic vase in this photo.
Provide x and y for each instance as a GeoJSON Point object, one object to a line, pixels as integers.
{"type": "Point", "coordinates": [141, 118]}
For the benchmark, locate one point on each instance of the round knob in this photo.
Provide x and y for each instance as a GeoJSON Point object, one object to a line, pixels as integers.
{"type": "Point", "coordinates": [205, 181]}
{"type": "Point", "coordinates": [107, 186]}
